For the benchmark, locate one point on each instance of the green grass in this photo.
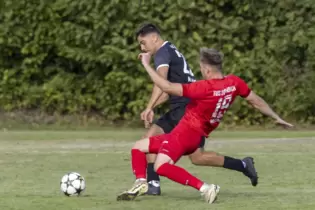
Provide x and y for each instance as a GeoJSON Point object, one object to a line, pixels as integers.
{"type": "Point", "coordinates": [30, 171]}
{"type": "Point", "coordinates": [134, 134]}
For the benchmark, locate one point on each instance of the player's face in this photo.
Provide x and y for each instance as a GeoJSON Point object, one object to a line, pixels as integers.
{"type": "Point", "coordinates": [147, 43]}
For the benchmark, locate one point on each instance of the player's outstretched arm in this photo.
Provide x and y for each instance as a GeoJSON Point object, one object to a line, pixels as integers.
{"type": "Point", "coordinates": [163, 98]}
{"type": "Point", "coordinates": [157, 97]}
{"type": "Point", "coordinates": [156, 94]}
{"type": "Point", "coordinates": [165, 85]}
{"type": "Point", "coordinates": [264, 108]}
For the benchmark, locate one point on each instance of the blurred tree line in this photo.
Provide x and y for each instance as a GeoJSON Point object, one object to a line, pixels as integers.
{"type": "Point", "coordinates": [74, 57]}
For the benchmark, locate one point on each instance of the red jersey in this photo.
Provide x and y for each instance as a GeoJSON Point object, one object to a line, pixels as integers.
{"type": "Point", "coordinates": [210, 99]}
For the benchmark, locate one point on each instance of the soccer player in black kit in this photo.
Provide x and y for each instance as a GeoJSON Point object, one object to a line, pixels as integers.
{"type": "Point", "coordinates": [172, 65]}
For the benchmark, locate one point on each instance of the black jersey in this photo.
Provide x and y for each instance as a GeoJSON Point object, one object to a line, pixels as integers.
{"type": "Point", "coordinates": [178, 72]}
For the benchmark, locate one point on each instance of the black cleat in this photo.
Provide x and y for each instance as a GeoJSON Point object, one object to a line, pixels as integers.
{"type": "Point", "coordinates": [250, 170]}
{"type": "Point", "coordinates": [153, 189]}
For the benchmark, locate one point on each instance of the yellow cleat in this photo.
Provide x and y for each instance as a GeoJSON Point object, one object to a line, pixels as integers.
{"type": "Point", "coordinates": [140, 187]}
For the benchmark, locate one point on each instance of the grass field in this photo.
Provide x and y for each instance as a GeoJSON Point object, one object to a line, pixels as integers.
{"type": "Point", "coordinates": [32, 163]}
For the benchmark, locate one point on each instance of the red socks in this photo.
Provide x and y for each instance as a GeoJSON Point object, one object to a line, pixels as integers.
{"type": "Point", "coordinates": [139, 163]}
{"type": "Point", "coordinates": [174, 173]}
{"type": "Point", "coordinates": [179, 175]}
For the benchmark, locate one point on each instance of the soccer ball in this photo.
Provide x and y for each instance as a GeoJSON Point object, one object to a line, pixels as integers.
{"type": "Point", "coordinates": [72, 184]}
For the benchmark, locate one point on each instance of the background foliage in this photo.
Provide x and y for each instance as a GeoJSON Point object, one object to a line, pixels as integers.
{"type": "Point", "coordinates": [79, 57]}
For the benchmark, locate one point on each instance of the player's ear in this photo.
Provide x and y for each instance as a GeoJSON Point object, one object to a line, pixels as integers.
{"type": "Point", "coordinates": [155, 37]}
{"type": "Point", "coordinates": [208, 69]}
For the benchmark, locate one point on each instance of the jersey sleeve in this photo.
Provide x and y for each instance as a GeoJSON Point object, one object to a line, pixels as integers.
{"type": "Point", "coordinates": [162, 58]}
{"type": "Point", "coordinates": [242, 88]}
{"type": "Point", "coordinates": [196, 90]}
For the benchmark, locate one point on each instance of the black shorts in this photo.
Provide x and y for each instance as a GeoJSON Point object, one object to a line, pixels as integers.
{"type": "Point", "coordinates": [170, 119]}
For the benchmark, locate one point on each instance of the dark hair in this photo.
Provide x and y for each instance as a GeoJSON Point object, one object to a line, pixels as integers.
{"type": "Point", "coordinates": [211, 57]}
{"type": "Point", "coordinates": [147, 28]}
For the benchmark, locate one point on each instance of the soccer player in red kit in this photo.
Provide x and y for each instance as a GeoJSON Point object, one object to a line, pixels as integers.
{"type": "Point", "coordinates": [210, 99]}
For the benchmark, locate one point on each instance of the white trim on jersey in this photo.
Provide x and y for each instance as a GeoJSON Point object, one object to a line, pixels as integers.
{"type": "Point", "coordinates": [164, 43]}
{"type": "Point", "coordinates": [162, 65]}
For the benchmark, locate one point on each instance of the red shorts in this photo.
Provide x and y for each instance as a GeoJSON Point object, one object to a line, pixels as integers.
{"type": "Point", "coordinates": [175, 144]}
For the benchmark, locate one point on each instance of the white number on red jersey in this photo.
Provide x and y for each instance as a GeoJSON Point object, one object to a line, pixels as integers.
{"type": "Point", "coordinates": [221, 107]}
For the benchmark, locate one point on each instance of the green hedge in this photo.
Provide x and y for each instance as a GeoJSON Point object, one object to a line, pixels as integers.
{"type": "Point", "coordinates": [69, 57]}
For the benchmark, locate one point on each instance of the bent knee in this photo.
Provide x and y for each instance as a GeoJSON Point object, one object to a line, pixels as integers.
{"type": "Point", "coordinates": [136, 145]}
{"type": "Point", "coordinates": [157, 166]}
{"type": "Point", "coordinates": [140, 145]}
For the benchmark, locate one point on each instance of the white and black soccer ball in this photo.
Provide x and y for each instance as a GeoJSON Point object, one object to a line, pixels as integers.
{"type": "Point", "coordinates": [72, 184]}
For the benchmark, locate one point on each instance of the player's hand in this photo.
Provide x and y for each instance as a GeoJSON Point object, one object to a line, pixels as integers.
{"type": "Point", "coordinates": [145, 58]}
{"type": "Point", "coordinates": [283, 123]}
{"type": "Point", "coordinates": [147, 116]}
